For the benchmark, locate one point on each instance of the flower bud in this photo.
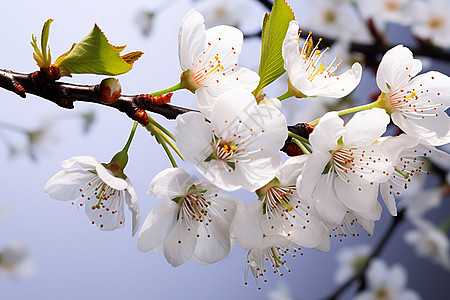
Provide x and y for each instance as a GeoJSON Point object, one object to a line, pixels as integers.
{"type": "Point", "coordinates": [110, 90]}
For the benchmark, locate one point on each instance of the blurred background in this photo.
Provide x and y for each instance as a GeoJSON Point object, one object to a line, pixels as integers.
{"type": "Point", "coordinates": [68, 258]}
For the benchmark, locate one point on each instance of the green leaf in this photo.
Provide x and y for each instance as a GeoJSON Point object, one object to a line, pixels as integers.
{"type": "Point", "coordinates": [42, 54]}
{"type": "Point", "coordinates": [211, 157]}
{"type": "Point", "coordinates": [275, 26]}
{"type": "Point", "coordinates": [94, 55]}
{"type": "Point", "coordinates": [232, 165]}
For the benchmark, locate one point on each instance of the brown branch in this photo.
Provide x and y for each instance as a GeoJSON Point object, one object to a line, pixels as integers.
{"type": "Point", "coordinates": [65, 94]}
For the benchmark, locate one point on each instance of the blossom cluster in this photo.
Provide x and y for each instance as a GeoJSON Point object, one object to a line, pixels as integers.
{"type": "Point", "coordinates": [234, 141]}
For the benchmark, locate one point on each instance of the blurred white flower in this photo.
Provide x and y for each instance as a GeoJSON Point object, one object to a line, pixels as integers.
{"type": "Point", "coordinates": [193, 221]}
{"type": "Point", "coordinates": [417, 105]}
{"type": "Point", "coordinates": [102, 193]}
{"type": "Point", "coordinates": [386, 283]}
{"type": "Point", "coordinates": [15, 261]}
{"type": "Point", "coordinates": [209, 61]}
{"type": "Point", "coordinates": [388, 11]}
{"type": "Point", "coordinates": [309, 75]}
{"type": "Point", "coordinates": [230, 12]}
{"type": "Point", "coordinates": [429, 241]}
{"type": "Point", "coordinates": [431, 21]}
{"type": "Point", "coordinates": [350, 260]}
{"type": "Point", "coordinates": [281, 292]}
{"type": "Point", "coordinates": [240, 147]}
{"type": "Point", "coordinates": [337, 19]}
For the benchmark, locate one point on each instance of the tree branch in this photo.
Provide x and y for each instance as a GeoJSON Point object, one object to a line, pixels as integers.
{"type": "Point", "coordinates": [360, 274]}
{"type": "Point", "coordinates": [65, 94]}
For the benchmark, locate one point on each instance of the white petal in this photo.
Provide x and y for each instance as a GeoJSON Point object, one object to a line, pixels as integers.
{"type": "Point", "coordinates": [191, 38]}
{"type": "Point", "coordinates": [132, 203]}
{"type": "Point", "coordinates": [312, 173]}
{"type": "Point", "coordinates": [170, 183]}
{"type": "Point", "coordinates": [65, 185]}
{"type": "Point", "coordinates": [358, 196]}
{"type": "Point", "coordinates": [388, 198]}
{"type": "Point", "coordinates": [247, 226]}
{"type": "Point", "coordinates": [365, 127]}
{"type": "Point", "coordinates": [193, 136]}
{"type": "Point", "coordinates": [326, 134]}
{"type": "Point", "coordinates": [180, 244]}
{"type": "Point", "coordinates": [227, 42]}
{"type": "Point", "coordinates": [396, 68]}
{"type": "Point", "coordinates": [108, 178]}
{"type": "Point", "coordinates": [157, 226]}
{"type": "Point", "coordinates": [110, 216]}
{"type": "Point", "coordinates": [326, 202]}
{"type": "Point", "coordinates": [87, 162]}
{"type": "Point", "coordinates": [213, 243]}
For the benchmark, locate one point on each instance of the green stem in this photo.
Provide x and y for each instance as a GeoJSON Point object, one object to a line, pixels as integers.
{"type": "Point", "coordinates": [303, 147]}
{"type": "Point", "coordinates": [130, 138]}
{"type": "Point", "coordinates": [167, 132]}
{"type": "Point", "coordinates": [296, 136]}
{"type": "Point", "coordinates": [352, 110]}
{"type": "Point", "coordinates": [166, 149]}
{"type": "Point", "coordinates": [176, 87]}
{"type": "Point", "coordinates": [286, 95]}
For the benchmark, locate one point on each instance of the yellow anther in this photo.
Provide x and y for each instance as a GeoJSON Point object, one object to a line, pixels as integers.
{"type": "Point", "coordinates": [221, 67]}
{"type": "Point", "coordinates": [232, 148]}
{"type": "Point", "coordinates": [413, 94]}
{"type": "Point", "coordinates": [216, 58]}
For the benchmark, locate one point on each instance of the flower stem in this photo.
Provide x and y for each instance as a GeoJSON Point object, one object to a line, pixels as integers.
{"type": "Point", "coordinates": [352, 110]}
{"type": "Point", "coordinates": [166, 149]}
{"type": "Point", "coordinates": [303, 147]}
{"type": "Point", "coordinates": [176, 87]}
{"type": "Point", "coordinates": [286, 95]}
{"type": "Point", "coordinates": [167, 132]}
{"type": "Point", "coordinates": [130, 138]}
{"type": "Point", "coordinates": [296, 136]}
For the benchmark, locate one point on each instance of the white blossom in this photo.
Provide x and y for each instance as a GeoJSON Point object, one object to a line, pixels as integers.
{"type": "Point", "coordinates": [309, 74]}
{"type": "Point", "coordinates": [15, 261]}
{"type": "Point", "coordinates": [353, 164]}
{"type": "Point", "coordinates": [350, 260]}
{"type": "Point", "coordinates": [209, 60]}
{"type": "Point", "coordinates": [98, 190]}
{"type": "Point", "coordinates": [417, 105]}
{"type": "Point", "coordinates": [429, 241]}
{"type": "Point", "coordinates": [192, 221]}
{"type": "Point", "coordinates": [386, 283]}
{"type": "Point", "coordinates": [240, 147]}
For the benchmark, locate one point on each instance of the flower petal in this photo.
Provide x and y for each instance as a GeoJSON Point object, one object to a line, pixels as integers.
{"type": "Point", "coordinates": [158, 224]}
{"type": "Point", "coordinates": [133, 206]}
{"type": "Point", "coordinates": [396, 68]}
{"type": "Point", "coordinates": [65, 184]}
{"type": "Point", "coordinates": [170, 183]}
{"type": "Point", "coordinates": [193, 136]}
{"type": "Point", "coordinates": [179, 245]}
{"type": "Point", "coordinates": [365, 127]}
{"type": "Point", "coordinates": [191, 39]}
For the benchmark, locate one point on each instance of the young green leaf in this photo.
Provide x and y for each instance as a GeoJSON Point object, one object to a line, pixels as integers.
{"type": "Point", "coordinates": [94, 55]}
{"type": "Point", "coordinates": [42, 54]}
{"type": "Point", "coordinates": [274, 30]}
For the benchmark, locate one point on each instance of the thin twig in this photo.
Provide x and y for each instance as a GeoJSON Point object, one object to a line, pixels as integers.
{"type": "Point", "coordinates": [360, 274]}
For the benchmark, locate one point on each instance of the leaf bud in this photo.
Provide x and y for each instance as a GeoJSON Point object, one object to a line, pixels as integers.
{"type": "Point", "coordinates": [110, 90]}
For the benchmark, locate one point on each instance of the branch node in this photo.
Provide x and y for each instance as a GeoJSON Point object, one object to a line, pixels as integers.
{"type": "Point", "coordinates": [140, 116]}
{"type": "Point", "coordinates": [147, 101]}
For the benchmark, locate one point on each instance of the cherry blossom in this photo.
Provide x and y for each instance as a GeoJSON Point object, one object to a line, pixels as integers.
{"type": "Point", "coordinates": [15, 261]}
{"type": "Point", "coordinates": [417, 105]}
{"type": "Point", "coordinates": [281, 211]}
{"type": "Point", "coordinates": [308, 73]}
{"type": "Point", "coordinates": [431, 21]}
{"type": "Point", "coordinates": [209, 60]}
{"type": "Point", "coordinates": [192, 221]}
{"type": "Point", "coordinates": [353, 165]}
{"type": "Point", "coordinates": [429, 241]}
{"type": "Point", "coordinates": [385, 283]}
{"type": "Point", "coordinates": [98, 190]}
{"type": "Point", "coordinates": [350, 260]}
{"type": "Point", "coordinates": [240, 147]}
{"type": "Point", "coordinates": [272, 249]}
